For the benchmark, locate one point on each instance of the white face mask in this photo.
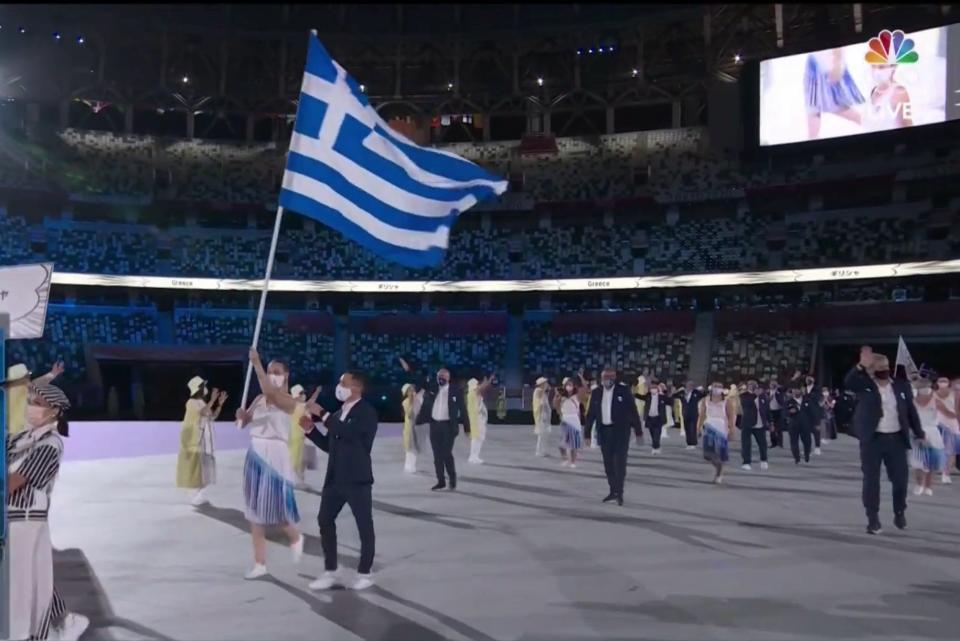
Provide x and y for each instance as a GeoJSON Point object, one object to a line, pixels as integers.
{"type": "Point", "coordinates": [277, 380]}
{"type": "Point", "coordinates": [343, 393]}
{"type": "Point", "coordinates": [881, 76]}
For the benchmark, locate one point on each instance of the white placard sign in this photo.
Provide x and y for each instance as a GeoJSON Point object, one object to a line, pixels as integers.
{"type": "Point", "coordinates": [24, 291]}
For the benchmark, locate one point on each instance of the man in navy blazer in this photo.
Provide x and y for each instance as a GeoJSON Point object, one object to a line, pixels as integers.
{"type": "Point", "coordinates": [614, 412]}
{"type": "Point", "coordinates": [348, 440]}
{"type": "Point", "coordinates": [754, 420]}
{"type": "Point", "coordinates": [883, 421]}
{"type": "Point", "coordinates": [445, 409]}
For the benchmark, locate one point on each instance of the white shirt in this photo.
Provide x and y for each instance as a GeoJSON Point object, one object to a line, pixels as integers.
{"type": "Point", "coordinates": [756, 402]}
{"type": "Point", "coordinates": [606, 405]}
{"type": "Point", "coordinates": [654, 404]}
{"type": "Point", "coordinates": [774, 405]}
{"type": "Point", "coordinates": [441, 404]}
{"type": "Point", "coordinates": [345, 409]}
{"type": "Point", "coordinates": [889, 422]}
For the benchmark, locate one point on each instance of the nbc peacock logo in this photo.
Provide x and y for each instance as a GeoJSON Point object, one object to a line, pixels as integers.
{"type": "Point", "coordinates": [891, 48]}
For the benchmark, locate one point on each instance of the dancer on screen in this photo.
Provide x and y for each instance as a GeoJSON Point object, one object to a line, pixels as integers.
{"type": "Point", "coordinates": [889, 101]}
{"type": "Point", "coordinates": [829, 88]}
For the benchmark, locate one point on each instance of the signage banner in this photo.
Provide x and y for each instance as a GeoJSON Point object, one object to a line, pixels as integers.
{"type": "Point", "coordinates": [24, 291]}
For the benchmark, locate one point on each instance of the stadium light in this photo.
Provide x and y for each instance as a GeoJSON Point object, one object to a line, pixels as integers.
{"type": "Point", "coordinates": [449, 86]}
{"type": "Point", "coordinates": [539, 82]}
{"type": "Point", "coordinates": [185, 79]}
{"type": "Point", "coordinates": [600, 49]}
{"type": "Point", "coordinates": [590, 50]}
{"type": "Point", "coordinates": [22, 30]}
{"type": "Point", "coordinates": [56, 36]}
{"type": "Point", "coordinates": [80, 40]}
{"type": "Point", "coordinates": [635, 73]}
{"type": "Point", "coordinates": [579, 52]}
{"type": "Point", "coordinates": [736, 58]}
{"type": "Point", "coordinates": [363, 88]}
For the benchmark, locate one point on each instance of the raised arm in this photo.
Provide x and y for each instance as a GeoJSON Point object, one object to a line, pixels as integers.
{"type": "Point", "coordinates": [55, 371]}
{"type": "Point", "coordinates": [857, 380]}
{"type": "Point", "coordinates": [275, 395]}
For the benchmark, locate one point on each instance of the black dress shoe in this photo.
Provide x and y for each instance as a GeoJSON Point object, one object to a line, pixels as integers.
{"type": "Point", "coordinates": [453, 485]}
{"type": "Point", "coordinates": [610, 497]}
{"type": "Point", "coordinates": [900, 520]}
{"type": "Point", "coordinates": [874, 526]}
{"type": "Point", "coordinates": [620, 500]}
{"type": "Point", "coordinates": [438, 486]}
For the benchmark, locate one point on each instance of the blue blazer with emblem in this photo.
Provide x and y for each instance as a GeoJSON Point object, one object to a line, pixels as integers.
{"type": "Point", "coordinates": [349, 444]}
{"type": "Point", "coordinates": [623, 409]}
{"type": "Point", "coordinates": [869, 410]}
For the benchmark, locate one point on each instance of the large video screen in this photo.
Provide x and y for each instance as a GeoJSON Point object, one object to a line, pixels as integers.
{"type": "Point", "coordinates": [890, 81]}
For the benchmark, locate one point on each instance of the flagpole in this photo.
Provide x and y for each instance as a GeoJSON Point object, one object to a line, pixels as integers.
{"type": "Point", "coordinates": [266, 279]}
{"type": "Point", "coordinates": [263, 302]}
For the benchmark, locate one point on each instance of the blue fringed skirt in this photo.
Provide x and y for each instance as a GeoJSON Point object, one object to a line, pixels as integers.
{"type": "Point", "coordinates": [268, 492]}
{"type": "Point", "coordinates": [825, 96]}
{"type": "Point", "coordinates": [716, 449]}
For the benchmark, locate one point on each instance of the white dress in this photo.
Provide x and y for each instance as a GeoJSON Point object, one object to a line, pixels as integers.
{"type": "Point", "coordinates": [268, 475]}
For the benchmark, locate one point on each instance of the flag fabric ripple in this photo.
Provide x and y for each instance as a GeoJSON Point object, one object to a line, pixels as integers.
{"type": "Point", "coordinates": [348, 169]}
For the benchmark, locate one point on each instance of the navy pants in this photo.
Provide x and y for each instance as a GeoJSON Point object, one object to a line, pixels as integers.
{"type": "Point", "coordinates": [890, 450]}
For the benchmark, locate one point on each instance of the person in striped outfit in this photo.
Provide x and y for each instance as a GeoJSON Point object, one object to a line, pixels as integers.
{"type": "Point", "coordinates": [33, 464]}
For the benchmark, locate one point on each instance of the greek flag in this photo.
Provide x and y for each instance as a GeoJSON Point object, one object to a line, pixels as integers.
{"type": "Point", "coordinates": [351, 171]}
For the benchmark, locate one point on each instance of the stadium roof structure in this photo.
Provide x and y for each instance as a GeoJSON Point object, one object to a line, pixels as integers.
{"type": "Point", "coordinates": [488, 59]}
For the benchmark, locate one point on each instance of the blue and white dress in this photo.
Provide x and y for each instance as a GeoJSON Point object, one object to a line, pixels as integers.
{"type": "Point", "coordinates": [823, 94]}
{"type": "Point", "coordinates": [928, 455]}
{"type": "Point", "coordinates": [716, 448]}
{"type": "Point", "coordinates": [268, 475]}
{"type": "Point", "coordinates": [948, 426]}
{"type": "Point", "coordinates": [572, 426]}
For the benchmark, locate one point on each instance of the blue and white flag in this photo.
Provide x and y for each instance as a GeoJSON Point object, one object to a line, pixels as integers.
{"type": "Point", "coordinates": [348, 169]}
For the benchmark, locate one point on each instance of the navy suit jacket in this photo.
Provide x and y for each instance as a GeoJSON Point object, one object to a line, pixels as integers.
{"type": "Point", "coordinates": [349, 444]}
{"type": "Point", "coordinates": [869, 410]}
{"type": "Point", "coordinates": [748, 410]}
{"type": "Point", "coordinates": [623, 409]}
{"type": "Point", "coordinates": [456, 404]}
{"type": "Point", "coordinates": [691, 408]}
{"type": "Point", "coordinates": [661, 410]}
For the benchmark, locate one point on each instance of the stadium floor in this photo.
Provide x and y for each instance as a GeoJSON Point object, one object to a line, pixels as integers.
{"type": "Point", "coordinates": [523, 550]}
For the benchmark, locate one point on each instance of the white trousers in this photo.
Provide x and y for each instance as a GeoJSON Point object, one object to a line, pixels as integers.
{"type": "Point", "coordinates": [542, 438]}
{"type": "Point", "coordinates": [421, 436]}
{"type": "Point", "coordinates": [476, 441]}
{"type": "Point", "coordinates": [31, 579]}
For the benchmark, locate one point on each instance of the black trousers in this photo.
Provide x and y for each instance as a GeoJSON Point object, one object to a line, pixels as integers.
{"type": "Point", "coordinates": [891, 451]}
{"type": "Point", "coordinates": [655, 425]}
{"type": "Point", "coordinates": [360, 500]}
{"type": "Point", "coordinates": [746, 446]}
{"type": "Point", "coordinates": [831, 424]}
{"type": "Point", "coordinates": [690, 428]}
{"type": "Point", "coordinates": [614, 445]}
{"type": "Point", "coordinates": [776, 428]}
{"type": "Point", "coordinates": [817, 435]}
{"type": "Point", "coordinates": [442, 436]}
{"type": "Point", "coordinates": [799, 433]}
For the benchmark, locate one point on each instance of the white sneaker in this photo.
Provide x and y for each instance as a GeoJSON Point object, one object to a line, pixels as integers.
{"type": "Point", "coordinates": [325, 581]}
{"type": "Point", "coordinates": [918, 491]}
{"type": "Point", "coordinates": [746, 467]}
{"type": "Point", "coordinates": [691, 447]}
{"type": "Point", "coordinates": [945, 479]}
{"type": "Point", "coordinates": [565, 463]}
{"type": "Point", "coordinates": [362, 582]}
{"type": "Point", "coordinates": [763, 465]}
{"type": "Point", "coordinates": [74, 625]}
{"type": "Point", "coordinates": [297, 549]}
{"type": "Point", "coordinates": [199, 498]}
{"type": "Point", "coordinates": [816, 451]}
{"type": "Point", "coordinates": [718, 480]}
{"type": "Point", "coordinates": [928, 491]}
{"type": "Point", "coordinates": [258, 571]}
{"type": "Point", "coordinates": [655, 451]}
{"type": "Point", "coordinates": [573, 466]}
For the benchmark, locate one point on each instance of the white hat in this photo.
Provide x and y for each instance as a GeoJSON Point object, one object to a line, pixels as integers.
{"type": "Point", "coordinates": [567, 379]}
{"type": "Point", "coordinates": [473, 383]}
{"type": "Point", "coordinates": [541, 380]}
{"type": "Point", "coordinates": [16, 372]}
{"type": "Point", "coordinates": [195, 384]}
{"type": "Point", "coordinates": [296, 390]}
{"type": "Point", "coordinates": [406, 388]}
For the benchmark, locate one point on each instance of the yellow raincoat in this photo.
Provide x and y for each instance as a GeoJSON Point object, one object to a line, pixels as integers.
{"type": "Point", "coordinates": [296, 439]}
{"type": "Point", "coordinates": [190, 456]}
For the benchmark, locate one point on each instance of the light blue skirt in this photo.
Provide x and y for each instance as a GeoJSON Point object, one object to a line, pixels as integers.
{"type": "Point", "coordinates": [826, 96]}
{"type": "Point", "coordinates": [572, 437]}
{"type": "Point", "coordinates": [927, 458]}
{"type": "Point", "coordinates": [716, 448]}
{"type": "Point", "coordinates": [269, 497]}
{"type": "Point", "coordinates": [951, 444]}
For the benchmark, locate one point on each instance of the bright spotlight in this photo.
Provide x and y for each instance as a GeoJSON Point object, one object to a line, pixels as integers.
{"type": "Point", "coordinates": [540, 81]}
